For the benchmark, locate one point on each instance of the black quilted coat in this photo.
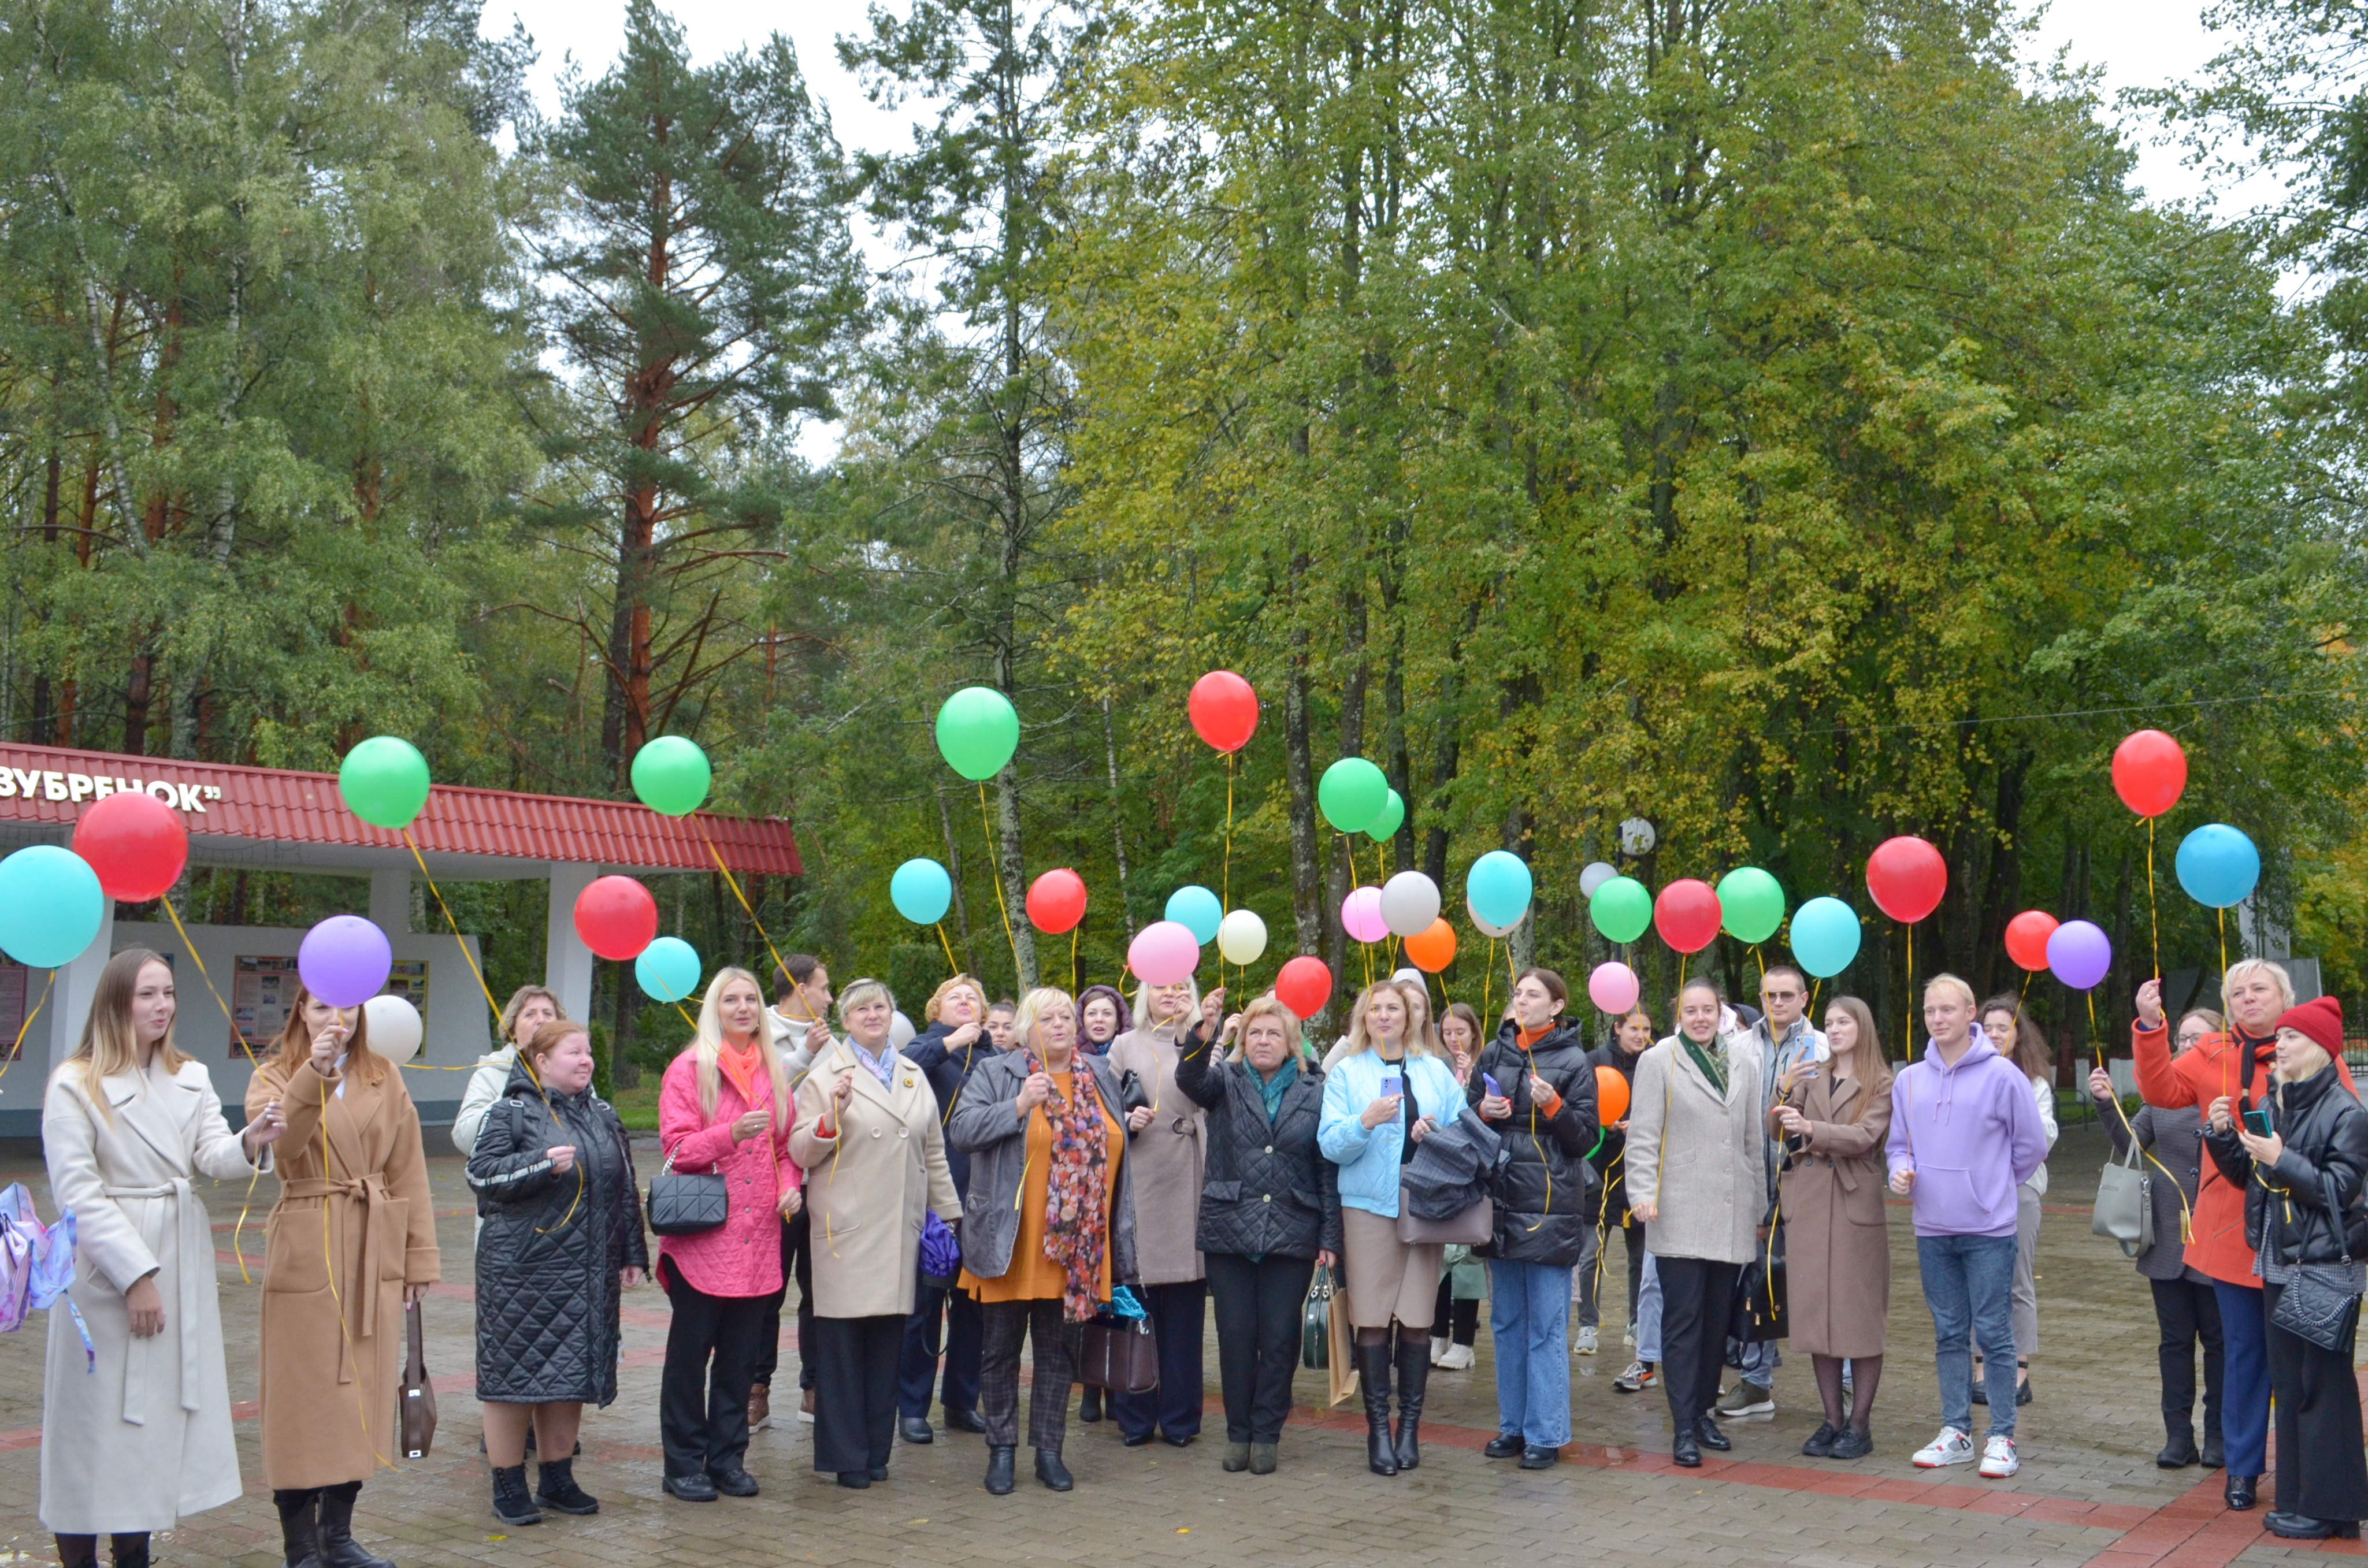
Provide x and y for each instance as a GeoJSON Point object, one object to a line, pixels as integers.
{"type": "Point", "coordinates": [1267, 1190]}
{"type": "Point", "coordinates": [1546, 1202]}
{"type": "Point", "coordinates": [549, 1257]}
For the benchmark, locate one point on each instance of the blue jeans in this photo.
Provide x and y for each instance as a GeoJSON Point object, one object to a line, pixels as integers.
{"type": "Point", "coordinates": [1969, 1285]}
{"type": "Point", "coordinates": [1648, 1315]}
{"type": "Point", "coordinates": [2244, 1379]}
{"type": "Point", "coordinates": [1529, 1319]}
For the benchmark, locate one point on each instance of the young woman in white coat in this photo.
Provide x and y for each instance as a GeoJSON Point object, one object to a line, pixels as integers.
{"type": "Point", "coordinates": [139, 1434]}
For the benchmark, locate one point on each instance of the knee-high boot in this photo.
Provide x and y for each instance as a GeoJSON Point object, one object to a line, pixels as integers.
{"type": "Point", "coordinates": [299, 1527]}
{"type": "Point", "coordinates": [1413, 1377]}
{"type": "Point", "coordinates": [1374, 1376]}
{"type": "Point", "coordinates": [339, 1548]}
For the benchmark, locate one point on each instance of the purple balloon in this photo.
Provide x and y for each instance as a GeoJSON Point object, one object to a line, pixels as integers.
{"type": "Point", "coordinates": [345, 961]}
{"type": "Point", "coordinates": [2079, 954]}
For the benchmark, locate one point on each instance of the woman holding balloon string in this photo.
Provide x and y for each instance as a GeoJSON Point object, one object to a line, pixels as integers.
{"type": "Point", "coordinates": [1166, 1151]}
{"type": "Point", "coordinates": [2015, 1037]}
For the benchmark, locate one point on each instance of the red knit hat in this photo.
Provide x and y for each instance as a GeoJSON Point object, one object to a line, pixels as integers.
{"type": "Point", "coordinates": [2322, 1020]}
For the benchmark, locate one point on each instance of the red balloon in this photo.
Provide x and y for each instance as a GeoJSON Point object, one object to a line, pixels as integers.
{"type": "Point", "coordinates": [1304, 986]}
{"type": "Point", "coordinates": [617, 918]}
{"type": "Point", "coordinates": [135, 842]}
{"type": "Point", "coordinates": [1907, 877]}
{"type": "Point", "coordinates": [1056, 901]}
{"type": "Point", "coordinates": [2026, 938]}
{"type": "Point", "coordinates": [1687, 914]}
{"type": "Point", "coordinates": [2149, 772]}
{"type": "Point", "coordinates": [1224, 710]}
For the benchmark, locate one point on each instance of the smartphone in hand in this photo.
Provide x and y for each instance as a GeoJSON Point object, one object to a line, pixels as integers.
{"type": "Point", "coordinates": [1488, 1082]}
{"type": "Point", "coordinates": [1392, 1085]}
{"type": "Point", "coordinates": [2257, 1122]}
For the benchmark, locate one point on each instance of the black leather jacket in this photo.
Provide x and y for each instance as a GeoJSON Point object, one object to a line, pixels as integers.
{"type": "Point", "coordinates": [2301, 1208]}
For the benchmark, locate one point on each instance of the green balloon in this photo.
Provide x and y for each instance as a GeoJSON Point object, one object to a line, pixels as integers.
{"type": "Point", "coordinates": [384, 781]}
{"type": "Point", "coordinates": [1621, 909]}
{"type": "Point", "coordinates": [1353, 793]}
{"type": "Point", "coordinates": [977, 732]}
{"type": "Point", "coordinates": [1751, 905]}
{"type": "Point", "coordinates": [1386, 827]}
{"type": "Point", "coordinates": [671, 775]}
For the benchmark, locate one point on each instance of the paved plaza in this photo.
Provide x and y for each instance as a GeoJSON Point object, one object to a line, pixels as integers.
{"type": "Point", "coordinates": [2089, 1492]}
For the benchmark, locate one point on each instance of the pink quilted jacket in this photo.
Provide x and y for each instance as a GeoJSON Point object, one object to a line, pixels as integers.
{"type": "Point", "coordinates": [743, 1255]}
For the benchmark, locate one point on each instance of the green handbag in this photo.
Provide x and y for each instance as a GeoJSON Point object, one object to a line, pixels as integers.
{"type": "Point", "coordinates": [1316, 1324]}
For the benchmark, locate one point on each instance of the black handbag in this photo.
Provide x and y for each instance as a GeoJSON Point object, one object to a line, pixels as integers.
{"type": "Point", "coordinates": [683, 1205]}
{"type": "Point", "coordinates": [1760, 1310]}
{"type": "Point", "coordinates": [1132, 1095]}
{"type": "Point", "coordinates": [2319, 1304]}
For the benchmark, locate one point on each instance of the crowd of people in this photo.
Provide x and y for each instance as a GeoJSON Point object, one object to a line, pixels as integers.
{"type": "Point", "coordinates": [1085, 1176]}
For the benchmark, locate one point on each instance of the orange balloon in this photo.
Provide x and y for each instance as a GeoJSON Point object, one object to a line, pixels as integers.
{"type": "Point", "coordinates": [1611, 1095]}
{"type": "Point", "coordinates": [1431, 949]}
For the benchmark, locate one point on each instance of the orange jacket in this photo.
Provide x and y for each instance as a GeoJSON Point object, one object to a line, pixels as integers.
{"type": "Point", "coordinates": [2212, 1069]}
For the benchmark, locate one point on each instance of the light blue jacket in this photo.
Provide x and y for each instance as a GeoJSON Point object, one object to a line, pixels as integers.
{"type": "Point", "coordinates": [1367, 1157]}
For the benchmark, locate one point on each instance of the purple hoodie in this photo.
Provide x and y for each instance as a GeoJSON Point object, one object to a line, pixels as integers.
{"type": "Point", "coordinates": [1971, 1133]}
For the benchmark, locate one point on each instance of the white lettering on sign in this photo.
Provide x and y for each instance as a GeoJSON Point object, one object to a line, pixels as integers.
{"type": "Point", "coordinates": [53, 785]}
{"type": "Point", "coordinates": [78, 786]}
{"type": "Point", "coordinates": [39, 784]}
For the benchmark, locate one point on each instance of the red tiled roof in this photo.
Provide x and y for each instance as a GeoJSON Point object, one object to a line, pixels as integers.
{"type": "Point", "coordinates": [270, 805]}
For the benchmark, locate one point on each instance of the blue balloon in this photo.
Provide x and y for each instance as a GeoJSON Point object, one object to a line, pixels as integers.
{"type": "Point", "coordinates": [1824, 936]}
{"type": "Point", "coordinates": [921, 892]}
{"type": "Point", "coordinates": [50, 906]}
{"type": "Point", "coordinates": [1498, 887]}
{"type": "Point", "coordinates": [1196, 910]}
{"type": "Point", "coordinates": [2218, 866]}
{"type": "Point", "coordinates": [667, 970]}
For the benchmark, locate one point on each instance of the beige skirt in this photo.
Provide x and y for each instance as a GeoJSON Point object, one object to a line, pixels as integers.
{"type": "Point", "coordinates": [1387, 1277]}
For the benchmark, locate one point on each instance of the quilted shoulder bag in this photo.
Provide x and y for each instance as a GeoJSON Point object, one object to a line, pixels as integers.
{"type": "Point", "coordinates": [2321, 1304]}
{"type": "Point", "coordinates": [416, 1397]}
{"type": "Point", "coordinates": [684, 1205]}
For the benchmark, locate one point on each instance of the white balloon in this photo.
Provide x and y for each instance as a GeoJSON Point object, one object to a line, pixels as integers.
{"type": "Point", "coordinates": [1486, 928]}
{"type": "Point", "coordinates": [1409, 904]}
{"type": "Point", "coordinates": [1241, 936]}
{"type": "Point", "coordinates": [900, 1032]}
{"type": "Point", "coordinates": [395, 1030]}
{"type": "Point", "coordinates": [1597, 873]}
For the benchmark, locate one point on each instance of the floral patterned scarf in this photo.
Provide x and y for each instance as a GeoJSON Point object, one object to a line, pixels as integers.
{"type": "Point", "coordinates": [1076, 1196]}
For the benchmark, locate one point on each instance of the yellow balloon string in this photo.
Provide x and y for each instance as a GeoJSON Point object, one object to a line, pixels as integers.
{"type": "Point", "coordinates": [2154, 926]}
{"type": "Point", "coordinates": [1909, 1055]}
{"type": "Point", "coordinates": [733, 883]}
{"type": "Point", "coordinates": [995, 865]}
{"type": "Point", "coordinates": [247, 1204]}
{"type": "Point", "coordinates": [1488, 983]}
{"type": "Point", "coordinates": [19, 1048]}
{"type": "Point", "coordinates": [951, 967]}
{"type": "Point", "coordinates": [1073, 960]}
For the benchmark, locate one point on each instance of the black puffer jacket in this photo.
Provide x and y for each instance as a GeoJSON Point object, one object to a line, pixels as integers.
{"type": "Point", "coordinates": [948, 1068]}
{"type": "Point", "coordinates": [1545, 1206]}
{"type": "Point", "coordinates": [2302, 1206]}
{"type": "Point", "coordinates": [1267, 1191]}
{"type": "Point", "coordinates": [549, 1257]}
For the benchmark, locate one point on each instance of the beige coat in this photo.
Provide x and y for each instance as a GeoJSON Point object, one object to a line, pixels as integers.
{"type": "Point", "coordinates": [1837, 1237]}
{"type": "Point", "coordinates": [867, 1189]}
{"type": "Point", "coordinates": [354, 1224]}
{"type": "Point", "coordinates": [1700, 1159]}
{"type": "Point", "coordinates": [140, 1437]}
{"type": "Point", "coordinates": [1164, 1161]}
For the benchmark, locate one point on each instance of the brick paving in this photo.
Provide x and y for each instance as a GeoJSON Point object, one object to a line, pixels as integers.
{"type": "Point", "coordinates": [2088, 1493]}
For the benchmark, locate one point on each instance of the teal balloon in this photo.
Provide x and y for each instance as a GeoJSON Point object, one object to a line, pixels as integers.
{"type": "Point", "coordinates": [667, 970]}
{"type": "Point", "coordinates": [1498, 887]}
{"type": "Point", "coordinates": [1196, 910]}
{"type": "Point", "coordinates": [2217, 865]}
{"type": "Point", "coordinates": [1621, 909]}
{"type": "Point", "coordinates": [1751, 905]}
{"type": "Point", "coordinates": [671, 775]}
{"type": "Point", "coordinates": [977, 732]}
{"type": "Point", "coordinates": [1384, 828]}
{"type": "Point", "coordinates": [921, 892]}
{"type": "Point", "coordinates": [1352, 792]}
{"type": "Point", "coordinates": [51, 906]}
{"type": "Point", "coordinates": [1824, 936]}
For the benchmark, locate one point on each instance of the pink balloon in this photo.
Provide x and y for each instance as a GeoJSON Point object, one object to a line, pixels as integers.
{"type": "Point", "coordinates": [1163, 953]}
{"type": "Point", "coordinates": [1360, 915]}
{"type": "Point", "coordinates": [1612, 988]}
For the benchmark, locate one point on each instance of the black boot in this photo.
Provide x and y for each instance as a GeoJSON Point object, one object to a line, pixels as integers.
{"type": "Point", "coordinates": [1414, 1376]}
{"type": "Point", "coordinates": [299, 1527]}
{"type": "Point", "coordinates": [1052, 1471]}
{"type": "Point", "coordinates": [1374, 1376]}
{"type": "Point", "coordinates": [2179, 1452]}
{"type": "Point", "coordinates": [556, 1488]}
{"type": "Point", "coordinates": [130, 1551]}
{"type": "Point", "coordinates": [2213, 1451]}
{"type": "Point", "coordinates": [998, 1471]}
{"type": "Point", "coordinates": [77, 1551]}
{"type": "Point", "coordinates": [338, 1548]}
{"type": "Point", "coordinates": [1089, 1406]}
{"type": "Point", "coordinates": [512, 1505]}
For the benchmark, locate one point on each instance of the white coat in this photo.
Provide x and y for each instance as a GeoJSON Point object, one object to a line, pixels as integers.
{"type": "Point", "coordinates": [141, 1437]}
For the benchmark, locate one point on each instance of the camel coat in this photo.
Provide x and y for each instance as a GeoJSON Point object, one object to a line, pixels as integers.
{"type": "Point", "coordinates": [1702, 1159]}
{"type": "Point", "coordinates": [1165, 1161]}
{"type": "Point", "coordinates": [353, 1226]}
{"type": "Point", "coordinates": [867, 1189]}
{"type": "Point", "coordinates": [1836, 1233]}
{"type": "Point", "coordinates": [140, 1436]}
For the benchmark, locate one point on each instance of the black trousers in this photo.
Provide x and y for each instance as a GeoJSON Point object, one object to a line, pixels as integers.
{"type": "Point", "coordinates": [711, 1356]}
{"type": "Point", "coordinates": [1007, 1324]}
{"type": "Point", "coordinates": [1259, 1307]}
{"type": "Point", "coordinates": [1179, 1314]}
{"type": "Point", "coordinates": [855, 1392]}
{"type": "Point", "coordinates": [2186, 1312]}
{"type": "Point", "coordinates": [2322, 1470]}
{"type": "Point", "coordinates": [1697, 1296]}
{"type": "Point", "coordinates": [797, 1263]}
{"type": "Point", "coordinates": [1459, 1320]}
{"type": "Point", "coordinates": [962, 1338]}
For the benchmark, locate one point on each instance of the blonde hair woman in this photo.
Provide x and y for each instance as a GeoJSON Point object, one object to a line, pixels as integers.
{"type": "Point", "coordinates": [529, 1008]}
{"type": "Point", "coordinates": [1167, 1152]}
{"type": "Point", "coordinates": [724, 1106]}
{"type": "Point", "coordinates": [353, 1190]}
{"type": "Point", "coordinates": [140, 1436]}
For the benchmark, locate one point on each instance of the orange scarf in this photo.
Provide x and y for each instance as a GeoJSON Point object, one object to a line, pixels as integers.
{"type": "Point", "coordinates": [741, 1064]}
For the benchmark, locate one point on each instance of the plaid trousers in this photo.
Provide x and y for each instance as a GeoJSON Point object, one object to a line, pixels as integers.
{"type": "Point", "coordinates": [1008, 1322]}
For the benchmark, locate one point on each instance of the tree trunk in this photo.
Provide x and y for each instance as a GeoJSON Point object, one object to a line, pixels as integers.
{"type": "Point", "coordinates": [954, 870]}
{"type": "Point", "coordinates": [1307, 911]}
{"type": "Point", "coordinates": [1118, 816]}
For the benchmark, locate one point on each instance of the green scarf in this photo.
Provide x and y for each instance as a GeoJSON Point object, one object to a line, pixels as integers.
{"type": "Point", "coordinates": [1713, 1067]}
{"type": "Point", "coordinates": [1273, 1086]}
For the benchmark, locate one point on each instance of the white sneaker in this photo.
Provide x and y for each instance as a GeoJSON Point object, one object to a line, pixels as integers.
{"type": "Point", "coordinates": [1438, 1349]}
{"type": "Point", "coordinates": [1457, 1360]}
{"type": "Point", "coordinates": [1952, 1447]}
{"type": "Point", "coordinates": [1628, 1337]}
{"type": "Point", "coordinates": [1585, 1341]}
{"type": "Point", "coordinates": [1997, 1459]}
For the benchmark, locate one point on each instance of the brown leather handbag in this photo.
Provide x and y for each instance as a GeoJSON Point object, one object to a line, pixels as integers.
{"type": "Point", "coordinates": [1118, 1356]}
{"type": "Point", "coordinates": [416, 1401]}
